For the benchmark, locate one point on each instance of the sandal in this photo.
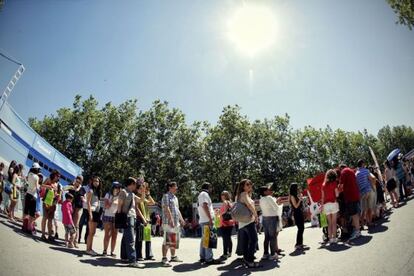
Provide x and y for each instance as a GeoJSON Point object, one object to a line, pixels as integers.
{"type": "Point", "coordinates": [113, 255]}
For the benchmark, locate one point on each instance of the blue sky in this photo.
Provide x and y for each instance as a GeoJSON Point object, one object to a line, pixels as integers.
{"type": "Point", "coordinates": [342, 63]}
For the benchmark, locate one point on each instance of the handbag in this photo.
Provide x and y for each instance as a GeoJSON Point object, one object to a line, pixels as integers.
{"type": "Point", "coordinates": [212, 241]}
{"type": "Point", "coordinates": [121, 219]}
{"type": "Point", "coordinates": [49, 197]}
{"type": "Point", "coordinates": [227, 215]}
{"type": "Point", "coordinates": [240, 212]}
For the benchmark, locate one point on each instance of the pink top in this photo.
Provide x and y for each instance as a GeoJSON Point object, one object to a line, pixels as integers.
{"type": "Point", "coordinates": [67, 213]}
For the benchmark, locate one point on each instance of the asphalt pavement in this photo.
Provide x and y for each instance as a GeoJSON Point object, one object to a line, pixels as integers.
{"type": "Point", "coordinates": [386, 250]}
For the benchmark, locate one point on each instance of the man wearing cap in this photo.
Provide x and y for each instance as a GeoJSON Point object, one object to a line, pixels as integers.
{"type": "Point", "coordinates": [270, 211]}
{"type": "Point", "coordinates": [29, 212]}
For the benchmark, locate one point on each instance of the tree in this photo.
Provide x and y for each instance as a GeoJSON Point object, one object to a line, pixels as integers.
{"type": "Point", "coordinates": [405, 11]}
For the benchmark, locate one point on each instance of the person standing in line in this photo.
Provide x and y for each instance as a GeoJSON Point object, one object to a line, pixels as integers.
{"type": "Point", "coordinates": [143, 219]}
{"type": "Point", "coordinates": [400, 175]}
{"type": "Point", "coordinates": [348, 184]}
{"type": "Point", "coordinates": [127, 205]}
{"type": "Point", "coordinates": [7, 192]}
{"type": "Point", "coordinates": [330, 206]}
{"type": "Point", "coordinates": [76, 191]}
{"type": "Point", "coordinates": [67, 221]}
{"type": "Point", "coordinates": [84, 219]}
{"type": "Point", "coordinates": [15, 180]}
{"type": "Point", "coordinates": [226, 225]}
{"type": "Point", "coordinates": [206, 213]}
{"type": "Point", "coordinates": [366, 181]}
{"type": "Point", "coordinates": [51, 184]}
{"type": "Point", "coordinates": [391, 183]}
{"type": "Point", "coordinates": [171, 217]}
{"type": "Point", "coordinates": [1, 184]}
{"type": "Point", "coordinates": [29, 212]}
{"type": "Point", "coordinates": [93, 198]}
{"type": "Point", "coordinates": [296, 201]}
{"type": "Point", "coordinates": [270, 211]}
{"type": "Point", "coordinates": [111, 207]}
{"type": "Point", "coordinates": [247, 233]}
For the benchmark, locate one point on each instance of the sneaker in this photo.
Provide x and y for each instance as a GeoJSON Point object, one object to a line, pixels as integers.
{"type": "Point", "coordinates": [175, 259]}
{"type": "Point", "coordinates": [331, 241]}
{"type": "Point", "coordinates": [165, 262]}
{"type": "Point", "coordinates": [92, 253]}
{"type": "Point", "coordinates": [140, 259]}
{"type": "Point", "coordinates": [265, 257]}
{"type": "Point", "coordinates": [223, 257]}
{"type": "Point", "coordinates": [136, 265]}
{"type": "Point", "coordinates": [150, 259]}
{"type": "Point", "coordinates": [355, 235]}
{"type": "Point", "coordinates": [273, 257]}
{"type": "Point", "coordinates": [335, 240]}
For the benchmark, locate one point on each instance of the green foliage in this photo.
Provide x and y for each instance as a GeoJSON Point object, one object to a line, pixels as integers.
{"type": "Point", "coordinates": [405, 11]}
{"type": "Point", "coordinates": [116, 142]}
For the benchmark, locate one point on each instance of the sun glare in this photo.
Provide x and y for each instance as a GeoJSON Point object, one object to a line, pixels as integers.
{"type": "Point", "coordinates": [252, 29]}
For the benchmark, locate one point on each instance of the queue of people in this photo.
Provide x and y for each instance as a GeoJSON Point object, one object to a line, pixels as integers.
{"type": "Point", "coordinates": [358, 194]}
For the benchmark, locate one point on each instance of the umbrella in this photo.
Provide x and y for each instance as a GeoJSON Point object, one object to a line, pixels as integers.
{"type": "Point", "coordinates": [393, 154]}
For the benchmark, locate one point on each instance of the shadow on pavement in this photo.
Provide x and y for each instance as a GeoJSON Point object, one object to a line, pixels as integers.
{"type": "Point", "coordinates": [188, 267]}
{"type": "Point", "coordinates": [237, 267]}
{"type": "Point", "coordinates": [338, 247]}
{"type": "Point", "coordinates": [104, 262]}
{"type": "Point", "coordinates": [378, 229]}
{"type": "Point", "coordinates": [361, 241]}
{"type": "Point", "coordinates": [73, 251]}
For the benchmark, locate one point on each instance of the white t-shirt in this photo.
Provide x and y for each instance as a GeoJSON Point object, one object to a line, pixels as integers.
{"type": "Point", "coordinates": [33, 184]}
{"type": "Point", "coordinates": [269, 206]}
{"type": "Point", "coordinates": [110, 212]}
{"type": "Point", "coordinates": [203, 197]}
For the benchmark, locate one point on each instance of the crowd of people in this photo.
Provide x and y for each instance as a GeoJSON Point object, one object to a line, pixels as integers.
{"type": "Point", "coordinates": [352, 198]}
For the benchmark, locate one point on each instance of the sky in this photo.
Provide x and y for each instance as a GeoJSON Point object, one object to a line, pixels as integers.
{"type": "Point", "coordinates": [342, 63]}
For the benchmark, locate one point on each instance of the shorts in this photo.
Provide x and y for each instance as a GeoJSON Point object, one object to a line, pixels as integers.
{"type": "Point", "coordinates": [49, 211]}
{"type": "Point", "coordinates": [331, 208]}
{"type": "Point", "coordinates": [70, 230]}
{"type": "Point", "coordinates": [368, 201]}
{"type": "Point", "coordinates": [391, 185]}
{"type": "Point", "coordinates": [108, 219]}
{"type": "Point", "coordinates": [29, 205]}
{"type": "Point", "coordinates": [96, 217]}
{"type": "Point", "coordinates": [352, 208]}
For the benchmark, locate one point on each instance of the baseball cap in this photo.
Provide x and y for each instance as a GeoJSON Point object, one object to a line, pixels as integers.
{"type": "Point", "coordinates": [35, 165]}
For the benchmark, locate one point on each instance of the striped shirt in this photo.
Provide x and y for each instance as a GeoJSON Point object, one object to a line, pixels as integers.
{"type": "Point", "coordinates": [362, 176]}
{"type": "Point", "coordinates": [171, 201]}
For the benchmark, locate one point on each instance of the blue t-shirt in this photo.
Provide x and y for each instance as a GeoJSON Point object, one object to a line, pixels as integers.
{"type": "Point", "coordinates": [362, 176]}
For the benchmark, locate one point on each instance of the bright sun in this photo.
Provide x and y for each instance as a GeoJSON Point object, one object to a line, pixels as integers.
{"type": "Point", "coordinates": [252, 29]}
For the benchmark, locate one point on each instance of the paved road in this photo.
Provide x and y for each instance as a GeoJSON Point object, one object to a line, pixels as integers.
{"type": "Point", "coordinates": [388, 250]}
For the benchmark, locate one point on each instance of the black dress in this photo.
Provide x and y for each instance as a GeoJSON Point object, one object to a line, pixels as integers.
{"type": "Point", "coordinates": [299, 221]}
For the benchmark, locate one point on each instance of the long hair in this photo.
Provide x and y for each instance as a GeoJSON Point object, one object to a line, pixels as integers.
{"type": "Point", "coordinates": [293, 190]}
{"type": "Point", "coordinates": [97, 190]}
{"type": "Point", "coordinates": [226, 195]}
{"type": "Point", "coordinates": [16, 170]}
{"type": "Point", "coordinates": [242, 184]}
{"type": "Point", "coordinates": [330, 176]}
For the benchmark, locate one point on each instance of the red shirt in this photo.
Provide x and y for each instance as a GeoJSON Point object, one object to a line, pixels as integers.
{"type": "Point", "coordinates": [329, 192]}
{"type": "Point", "coordinates": [351, 190]}
{"type": "Point", "coordinates": [224, 223]}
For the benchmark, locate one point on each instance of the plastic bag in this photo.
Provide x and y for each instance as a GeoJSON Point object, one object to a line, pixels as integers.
{"type": "Point", "coordinates": [147, 232]}
{"type": "Point", "coordinates": [324, 220]}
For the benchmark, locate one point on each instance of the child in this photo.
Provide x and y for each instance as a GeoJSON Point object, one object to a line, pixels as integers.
{"type": "Point", "coordinates": [330, 205]}
{"type": "Point", "coordinates": [68, 221]}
